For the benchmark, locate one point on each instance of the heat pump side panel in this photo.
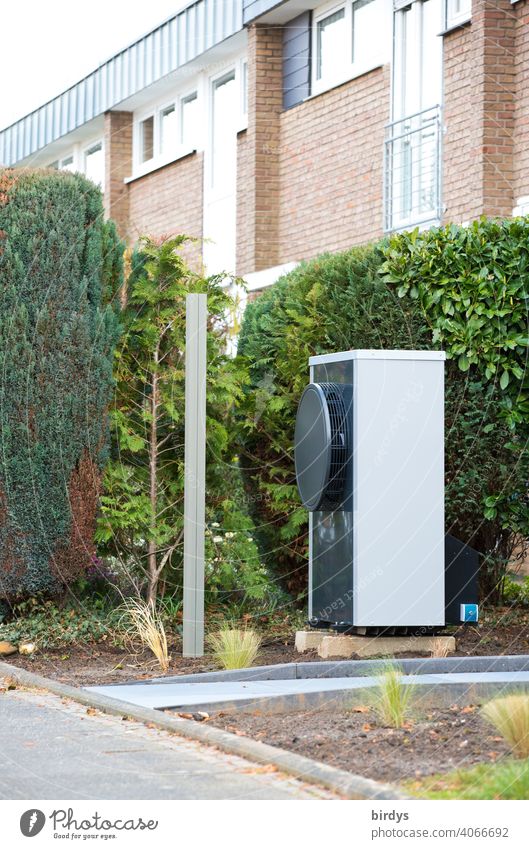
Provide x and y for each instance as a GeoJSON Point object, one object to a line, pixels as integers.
{"type": "Point", "coordinates": [398, 492]}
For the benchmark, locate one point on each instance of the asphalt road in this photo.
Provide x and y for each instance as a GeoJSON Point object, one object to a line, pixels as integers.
{"type": "Point", "coordinates": [53, 749]}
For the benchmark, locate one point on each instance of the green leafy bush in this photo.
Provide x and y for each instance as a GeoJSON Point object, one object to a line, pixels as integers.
{"type": "Point", "coordinates": [516, 594]}
{"type": "Point", "coordinates": [57, 255]}
{"type": "Point", "coordinates": [365, 298]}
{"type": "Point", "coordinates": [52, 626]}
{"type": "Point", "coordinates": [471, 285]}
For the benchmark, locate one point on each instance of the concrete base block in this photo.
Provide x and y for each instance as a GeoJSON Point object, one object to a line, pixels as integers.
{"type": "Point", "coordinates": [308, 640]}
{"type": "Point", "coordinates": [342, 645]}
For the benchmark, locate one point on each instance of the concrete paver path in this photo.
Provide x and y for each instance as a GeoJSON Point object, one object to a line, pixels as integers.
{"type": "Point", "coordinates": [52, 748]}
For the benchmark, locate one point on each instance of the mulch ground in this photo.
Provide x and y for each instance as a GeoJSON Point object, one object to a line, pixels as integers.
{"type": "Point", "coordinates": [507, 632]}
{"type": "Point", "coordinates": [438, 741]}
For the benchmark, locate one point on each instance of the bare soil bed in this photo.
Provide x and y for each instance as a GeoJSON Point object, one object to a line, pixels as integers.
{"type": "Point", "coordinates": [505, 632]}
{"type": "Point", "coordinates": [438, 741]}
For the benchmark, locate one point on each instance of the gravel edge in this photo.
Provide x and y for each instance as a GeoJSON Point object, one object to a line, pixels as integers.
{"type": "Point", "coordinates": [338, 781]}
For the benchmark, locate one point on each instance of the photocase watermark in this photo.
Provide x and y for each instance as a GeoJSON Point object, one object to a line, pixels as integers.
{"type": "Point", "coordinates": [32, 822]}
{"type": "Point", "coordinates": [66, 825]}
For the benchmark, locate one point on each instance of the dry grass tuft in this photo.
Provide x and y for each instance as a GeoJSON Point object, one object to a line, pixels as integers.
{"type": "Point", "coordinates": [439, 647]}
{"type": "Point", "coordinates": [510, 716]}
{"type": "Point", "coordinates": [141, 620]}
{"type": "Point", "coordinates": [234, 648]}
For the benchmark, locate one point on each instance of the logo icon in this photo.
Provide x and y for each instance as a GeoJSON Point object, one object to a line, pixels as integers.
{"type": "Point", "coordinates": [32, 822]}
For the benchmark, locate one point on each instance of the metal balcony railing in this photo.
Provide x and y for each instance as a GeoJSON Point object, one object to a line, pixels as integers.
{"type": "Point", "coordinates": [412, 171]}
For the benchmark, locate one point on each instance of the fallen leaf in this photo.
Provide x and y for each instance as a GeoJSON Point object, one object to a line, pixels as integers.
{"type": "Point", "coordinates": [259, 770]}
{"type": "Point", "coordinates": [91, 711]}
{"type": "Point", "coordinates": [361, 709]}
{"type": "Point", "coordinates": [469, 709]}
{"type": "Point", "coordinates": [366, 727]}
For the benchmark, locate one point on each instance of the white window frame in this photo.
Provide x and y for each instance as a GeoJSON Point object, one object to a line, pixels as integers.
{"type": "Point", "coordinates": [522, 207]}
{"type": "Point", "coordinates": [244, 89]}
{"type": "Point", "coordinates": [455, 19]}
{"type": "Point", "coordinates": [139, 138]}
{"type": "Point", "coordinates": [155, 111]}
{"type": "Point", "coordinates": [64, 160]}
{"type": "Point", "coordinates": [214, 81]}
{"type": "Point", "coordinates": [193, 93]}
{"type": "Point", "coordinates": [90, 148]}
{"type": "Point", "coordinates": [352, 68]}
{"type": "Point", "coordinates": [158, 134]}
{"type": "Point", "coordinates": [412, 110]}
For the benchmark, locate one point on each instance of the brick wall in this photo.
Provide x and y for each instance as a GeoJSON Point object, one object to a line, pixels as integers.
{"type": "Point", "coordinates": [331, 168]}
{"type": "Point", "coordinates": [461, 142]}
{"type": "Point", "coordinates": [493, 23]}
{"type": "Point", "coordinates": [258, 190]}
{"type": "Point", "coordinates": [244, 253]}
{"type": "Point", "coordinates": [118, 166]}
{"type": "Point", "coordinates": [521, 112]}
{"type": "Point", "coordinates": [479, 79]}
{"type": "Point", "coordinates": [168, 202]}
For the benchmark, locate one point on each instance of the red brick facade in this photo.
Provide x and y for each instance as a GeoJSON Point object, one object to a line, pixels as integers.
{"type": "Point", "coordinates": [331, 168]}
{"type": "Point", "coordinates": [259, 188]}
{"type": "Point", "coordinates": [310, 179]}
{"type": "Point", "coordinates": [521, 100]}
{"type": "Point", "coordinates": [118, 166]}
{"type": "Point", "coordinates": [169, 201]}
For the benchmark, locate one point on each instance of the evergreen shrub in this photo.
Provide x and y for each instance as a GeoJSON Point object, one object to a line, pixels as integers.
{"type": "Point", "coordinates": [57, 257]}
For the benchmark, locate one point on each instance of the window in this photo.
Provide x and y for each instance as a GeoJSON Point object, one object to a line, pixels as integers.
{"type": "Point", "coordinates": [349, 39]}
{"type": "Point", "coordinates": [224, 125]}
{"type": "Point", "coordinates": [366, 21]}
{"type": "Point", "coordinates": [147, 139]}
{"type": "Point", "coordinates": [331, 45]}
{"type": "Point", "coordinates": [94, 163]}
{"type": "Point", "coordinates": [457, 12]}
{"type": "Point", "coordinates": [54, 165]}
{"type": "Point", "coordinates": [221, 180]}
{"type": "Point", "coordinates": [413, 141]}
{"type": "Point", "coordinates": [168, 130]}
{"type": "Point", "coordinates": [189, 120]}
{"type": "Point", "coordinates": [67, 164]}
{"type": "Point", "coordinates": [245, 88]}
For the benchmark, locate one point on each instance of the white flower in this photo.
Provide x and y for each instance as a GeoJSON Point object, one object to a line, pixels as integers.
{"type": "Point", "coordinates": [250, 539]}
{"type": "Point", "coordinates": [230, 534]}
{"type": "Point", "coordinates": [215, 525]}
{"type": "Point", "coordinates": [217, 539]}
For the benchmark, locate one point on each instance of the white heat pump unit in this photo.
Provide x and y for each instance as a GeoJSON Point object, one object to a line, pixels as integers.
{"type": "Point", "coordinates": [370, 469]}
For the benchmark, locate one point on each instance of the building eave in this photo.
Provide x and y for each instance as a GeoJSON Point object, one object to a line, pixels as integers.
{"type": "Point", "coordinates": [178, 41]}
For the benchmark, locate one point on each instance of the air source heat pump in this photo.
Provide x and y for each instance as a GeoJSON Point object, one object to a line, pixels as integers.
{"type": "Point", "coordinates": [369, 453]}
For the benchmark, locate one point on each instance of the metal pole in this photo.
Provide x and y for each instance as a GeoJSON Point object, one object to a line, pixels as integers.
{"type": "Point", "coordinates": [195, 474]}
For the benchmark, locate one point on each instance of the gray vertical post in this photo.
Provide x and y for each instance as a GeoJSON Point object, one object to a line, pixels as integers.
{"type": "Point", "coordinates": [195, 473]}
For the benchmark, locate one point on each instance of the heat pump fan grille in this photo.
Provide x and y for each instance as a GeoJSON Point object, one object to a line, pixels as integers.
{"type": "Point", "coordinates": [339, 445]}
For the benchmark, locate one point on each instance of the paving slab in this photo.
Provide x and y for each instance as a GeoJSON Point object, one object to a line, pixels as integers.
{"type": "Point", "coordinates": [280, 695]}
{"type": "Point", "coordinates": [52, 749]}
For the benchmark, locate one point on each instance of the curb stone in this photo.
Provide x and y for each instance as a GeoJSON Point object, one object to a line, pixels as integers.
{"type": "Point", "coordinates": [340, 782]}
{"type": "Point", "coordinates": [348, 668]}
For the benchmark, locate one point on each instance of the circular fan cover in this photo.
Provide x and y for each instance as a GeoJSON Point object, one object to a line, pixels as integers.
{"type": "Point", "coordinates": [321, 446]}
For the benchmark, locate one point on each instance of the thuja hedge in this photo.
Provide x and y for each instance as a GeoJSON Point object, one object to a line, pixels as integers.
{"type": "Point", "coordinates": [462, 289]}
{"type": "Point", "coordinates": [57, 256]}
